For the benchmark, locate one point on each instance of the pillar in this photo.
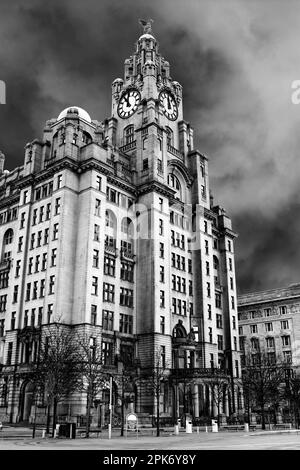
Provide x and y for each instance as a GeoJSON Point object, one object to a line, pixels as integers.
{"type": "Point", "coordinates": [196, 400]}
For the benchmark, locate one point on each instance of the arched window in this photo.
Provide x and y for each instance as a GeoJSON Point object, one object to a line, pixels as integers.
{"type": "Point", "coordinates": [8, 237]}
{"type": "Point", "coordinates": [170, 136]}
{"type": "Point", "coordinates": [174, 183]}
{"type": "Point", "coordinates": [86, 138]}
{"type": "Point", "coordinates": [179, 331]}
{"type": "Point", "coordinates": [110, 219]}
{"type": "Point", "coordinates": [127, 226]}
{"type": "Point", "coordinates": [128, 134]}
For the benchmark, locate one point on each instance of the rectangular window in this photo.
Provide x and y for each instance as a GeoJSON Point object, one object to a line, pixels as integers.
{"type": "Point", "coordinates": [229, 245]}
{"type": "Point", "coordinates": [205, 226]}
{"type": "Point", "coordinates": [126, 297]}
{"type": "Point", "coordinates": [210, 335]}
{"type": "Point", "coordinates": [173, 282]}
{"type": "Point", "coordinates": [96, 233]}
{"type": "Point", "coordinates": [39, 238]}
{"type": "Point", "coordinates": [44, 261]}
{"type": "Point", "coordinates": [18, 267]}
{"type": "Point", "coordinates": [191, 307]}
{"type": "Point", "coordinates": [208, 289]}
{"type": "Point", "coordinates": [32, 240]}
{"type": "Point", "coordinates": [269, 326]}
{"type": "Point", "coordinates": [206, 247]}
{"type": "Point", "coordinates": [253, 328]}
{"type": "Point", "coordinates": [232, 303]}
{"type": "Point", "coordinates": [219, 321]}
{"type": "Point", "coordinates": [126, 323]}
{"type": "Point", "coordinates": [13, 321]}
{"type": "Point", "coordinates": [209, 311]}
{"type": "Point", "coordinates": [49, 312]}
{"type": "Point", "coordinates": [15, 294]}
{"type": "Point", "coordinates": [9, 353]}
{"type": "Point", "coordinates": [183, 307]}
{"type": "Point", "coordinates": [93, 315]}
{"type": "Point", "coordinates": [161, 250]}
{"type": "Point", "coordinates": [191, 288]}
{"type": "Point", "coordinates": [107, 320]}
{"type": "Point", "coordinates": [163, 356]}
{"type": "Point", "coordinates": [95, 258]}
{"type": "Point", "coordinates": [37, 262]}
{"type": "Point", "coordinates": [182, 263]}
{"type": "Point", "coordinates": [41, 215]}
{"type": "Point", "coordinates": [172, 237]}
{"type": "Point", "coordinates": [218, 300]}
{"type": "Point", "coordinates": [282, 310]}
{"type": "Point", "coordinates": [32, 318]}
{"type": "Point", "coordinates": [161, 227]}
{"type": "Point", "coordinates": [160, 202]}
{"type": "Point", "coordinates": [145, 164]}
{"type": "Point", "coordinates": [48, 211]}
{"type": "Point", "coordinates": [34, 216]}
{"type": "Point", "coordinates": [57, 206]}
{"type": "Point", "coordinates": [207, 268]}
{"type": "Point", "coordinates": [174, 305]}
{"type": "Point", "coordinates": [267, 312]}
{"type": "Point", "coordinates": [28, 291]}
{"type": "Point", "coordinates": [20, 244]}
{"type": "Point", "coordinates": [22, 220]}
{"type": "Point", "coordinates": [30, 265]}
{"type": "Point", "coordinates": [42, 288]}
{"type": "Point", "coordinates": [284, 324]}
{"type": "Point", "coordinates": [2, 329]}
{"type": "Point", "coordinates": [108, 292]}
{"type": "Point", "coordinates": [94, 285]}
{"type": "Point", "coordinates": [230, 264]}
{"type": "Point", "coordinates": [162, 299]}
{"type": "Point", "coordinates": [161, 274]}
{"type": "Point", "coordinates": [182, 242]}
{"type": "Point", "coordinates": [233, 323]}
{"type": "Point", "coordinates": [270, 342]}
{"type": "Point", "coordinates": [40, 316]}
{"type": "Point", "coordinates": [162, 325]}
{"type": "Point", "coordinates": [179, 306]}
{"type": "Point", "coordinates": [159, 166]}
{"type": "Point", "coordinates": [98, 182]}
{"type": "Point", "coordinates": [107, 353]}
{"type": "Point", "coordinates": [98, 207]}
{"type": "Point", "coordinates": [35, 290]}
{"type": "Point", "coordinates": [127, 271]}
{"type": "Point", "coordinates": [190, 266]}
{"type": "Point", "coordinates": [55, 231]}
{"type": "Point", "coordinates": [235, 343]}
{"type": "Point", "coordinates": [46, 235]}
{"type": "Point", "coordinates": [231, 283]}
{"type": "Point", "coordinates": [109, 265]}
{"type": "Point", "coordinates": [220, 342]}
{"type": "Point", "coordinates": [51, 285]}
{"type": "Point", "coordinates": [286, 340]}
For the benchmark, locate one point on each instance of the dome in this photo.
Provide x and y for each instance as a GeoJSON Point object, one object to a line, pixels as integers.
{"type": "Point", "coordinates": [146, 36]}
{"type": "Point", "coordinates": [81, 113]}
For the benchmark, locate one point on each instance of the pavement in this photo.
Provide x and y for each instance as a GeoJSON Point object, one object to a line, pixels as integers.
{"type": "Point", "coordinates": [16, 438]}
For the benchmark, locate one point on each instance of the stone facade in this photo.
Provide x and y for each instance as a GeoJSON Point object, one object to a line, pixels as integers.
{"type": "Point", "coordinates": [110, 227]}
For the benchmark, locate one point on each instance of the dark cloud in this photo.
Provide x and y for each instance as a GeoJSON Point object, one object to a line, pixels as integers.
{"type": "Point", "coordinates": [236, 61]}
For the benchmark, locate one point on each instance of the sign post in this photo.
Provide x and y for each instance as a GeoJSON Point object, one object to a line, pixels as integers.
{"type": "Point", "coordinates": [132, 423]}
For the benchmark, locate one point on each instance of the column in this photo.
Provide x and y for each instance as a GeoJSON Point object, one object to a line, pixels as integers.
{"type": "Point", "coordinates": [226, 403]}
{"type": "Point", "coordinates": [196, 400]}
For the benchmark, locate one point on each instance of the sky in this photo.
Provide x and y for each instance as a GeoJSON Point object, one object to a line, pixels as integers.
{"type": "Point", "coordinates": [236, 61]}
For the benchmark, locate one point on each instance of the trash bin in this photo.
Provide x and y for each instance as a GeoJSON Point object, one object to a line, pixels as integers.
{"type": "Point", "coordinates": [188, 426]}
{"type": "Point", "coordinates": [214, 425]}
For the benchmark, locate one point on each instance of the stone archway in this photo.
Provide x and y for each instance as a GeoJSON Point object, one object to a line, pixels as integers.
{"type": "Point", "coordinates": [26, 401]}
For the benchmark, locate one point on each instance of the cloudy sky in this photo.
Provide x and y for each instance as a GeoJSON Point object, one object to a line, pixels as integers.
{"type": "Point", "coordinates": [236, 60]}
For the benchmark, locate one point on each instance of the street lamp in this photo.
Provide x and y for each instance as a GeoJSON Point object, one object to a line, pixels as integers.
{"type": "Point", "coordinates": [110, 407]}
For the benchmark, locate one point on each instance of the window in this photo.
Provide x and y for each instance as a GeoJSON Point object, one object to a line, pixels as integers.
{"type": "Point", "coordinates": [191, 308]}
{"type": "Point", "coordinates": [4, 277]}
{"type": "Point", "coordinates": [40, 316]}
{"type": "Point", "coordinates": [25, 322]}
{"type": "Point", "coordinates": [169, 134]}
{"type": "Point", "coordinates": [190, 266]}
{"type": "Point", "coordinates": [51, 285]}
{"type": "Point", "coordinates": [240, 330]}
{"type": "Point", "coordinates": [208, 289]}
{"type": "Point", "coordinates": [209, 311]}
{"type": "Point", "coordinates": [282, 310]}
{"type": "Point", "coordinates": [210, 334]}
{"type": "Point", "coordinates": [161, 227]}
{"type": "Point", "coordinates": [229, 245]}
{"type": "Point", "coordinates": [161, 274]}
{"type": "Point", "coordinates": [163, 356]}
{"type": "Point", "coordinates": [13, 321]}
{"type": "Point", "coordinates": [231, 283]}
{"type": "Point", "coordinates": [207, 268]}
{"type": "Point", "coordinates": [110, 242]}
{"type": "Point", "coordinates": [270, 342]}
{"type": "Point", "coordinates": [255, 344]}
{"type": "Point", "coordinates": [183, 307]}
{"type": "Point", "coordinates": [284, 324]}
{"type": "Point", "coordinates": [182, 242]}
{"type": "Point", "coordinates": [191, 288]}
{"type": "Point", "coordinates": [98, 182]}
{"type": "Point", "coordinates": [37, 262]}
{"type": "Point", "coordinates": [269, 326]}
{"type": "Point", "coordinates": [15, 294]}
{"type": "Point", "coordinates": [107, 353]}
{"type": "Point", "coordinates": [34, 216]}
{"type": "Point", "coordinates": [42, 288]}
{"type": "Point", "coordinates": [35, 289]}
{"type": "Point", "coordinates": [182, 263]}
{"type": "Point", "coordinates": [46, 235]}
{"type": "Point", "coordinates": [127, 270]}
{"type": "Point", "coordinates": [98, 207]}
{"type": "Point", "coordinates": [9, 353]}
{"type": "Point", "coordinates": [219, 320]}
{"type": "Point", "coordinates": [96, 233]}
{"type": "Point", "coordinates": [128, 134]}
{"type": "Point", "coordinates": [48, 211]}
{"type": "Point", "coordinates": [162, 325]}
{"type": "Point", "coordinates": [287, 356]}
{"type": "Point", "coordinates": [218, 300]}
{"type": "Point", "coordinates": [126, 247]}
{"type": "Point", "coordinates": [286, 340]}
{"type": "Point", "coordinates": [161, 250]}
{"type": "Point", "coordinates": [253, 328]}
{"type": "Point", "coordinates": [57, 206]}
{"type": "Point", "coordinates": [20, 244]}
{"type": "Point", "coordinates": [95, 258]}
{"type": "Point", "coordinates": [162, 299]}
{"type": "Point", "coordinates": [232, 303]}
{"type": "Point", "coordinates": [126, 297]}
{"type": "Point", "coordinates": [39, 238]}
{"type": "Point", "coordinates": [32, 240]}
{"type": "Point", "coordinates": [94, 285]}
{"type": "Point", "coordinates": [41, 214]}
{"type": "Point", "coordinates": [233, 323]}
{"type": "Point", "coordinates": [22, 220]}
{"type": "Point", "coordinates": [206, 247]}
{"type": "Point", "coordinates": [220, 342]}
{"type": "Point", "coordinates": [212, 362]}
{"type": "Point", "coordinates": [230, 264]}
{"type": "Point", "coordinates": [2, 329]}
{"type": "Point", "coordinates": [44, 261]}
{"type": "Point", "coordinates": [55, 232]}
{"type": "Point", "coordinates": [30, 265]}
{"type": "Point", "coordinates": [59, 180]}
{"type": "Point", "coordinates": [267, 312]}
{"type": "Point", "coordinates": [237, 369]}
{"type": "Point", "coordinates": [108, 292]}
{"type": "Point", "coordinates": [49, 312]}
{"type": "Point", "coordinates": [107, 320]}
{"type": "Point", "coordinates": [235, 343]}
{"type": "Point", "coordinates": [159, 166]}
{"type": "Point", "coordinates": [28, 291]}
{"type": "Point", "coordinates": [93, 315]}
{"type": "Point", "coordinates": [109, 265]}
{"type": "Point", "coordinates": [145, 164]}
{"type": "Point", "coordinates": [126, 323]}
{"type": "Point", "coordinates": [32, 318]}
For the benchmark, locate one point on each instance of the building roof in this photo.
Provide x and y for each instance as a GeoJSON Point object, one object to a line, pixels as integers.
{"type": "Point", "coordinates": [270, 295]}
{"type": "Point", "coordinates": [81, 113]}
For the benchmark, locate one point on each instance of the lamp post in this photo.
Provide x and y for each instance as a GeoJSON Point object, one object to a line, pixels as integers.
{"type": "Point", "coordinates": [110, 407]}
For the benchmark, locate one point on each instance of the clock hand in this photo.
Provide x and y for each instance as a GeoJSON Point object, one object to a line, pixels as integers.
{"type": "Point", "coordinates": [127, 100]}
{"type": "Point", "coordinates": [169, 103]}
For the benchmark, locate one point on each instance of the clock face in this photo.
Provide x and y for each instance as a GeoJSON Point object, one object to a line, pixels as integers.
{"type": "Point", "coordinates": [128, 103]}
{"type": "Point", "coordinates": [169, 105]}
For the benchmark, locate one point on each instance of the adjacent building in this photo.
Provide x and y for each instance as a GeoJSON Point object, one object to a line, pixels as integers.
{"type": "Point", "coordinates": [110, 227]}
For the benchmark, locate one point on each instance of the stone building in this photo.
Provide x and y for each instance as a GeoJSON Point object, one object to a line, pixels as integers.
{"type": "Point", "coordinates": [110, 226]}
{"type": "Point", "coordinates": [269, 322]}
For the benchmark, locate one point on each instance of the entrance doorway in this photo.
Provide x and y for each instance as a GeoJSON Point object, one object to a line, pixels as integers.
{"type": "Point", "coordinates": [26, 401]}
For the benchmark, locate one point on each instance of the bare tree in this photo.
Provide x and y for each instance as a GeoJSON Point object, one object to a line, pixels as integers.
{"type": "Point", "coordinates": [57, 373]}
{"type": "Point", "coordinates": [94, 377]}
{"type": "Point", "coordinates": [217, 383]}
{"type": "Point", "coordinates": [262, 380]}
{"type": "Point", "coordinates": [292, 394]}
{"type": "Point", "coordinates": [155, 378]}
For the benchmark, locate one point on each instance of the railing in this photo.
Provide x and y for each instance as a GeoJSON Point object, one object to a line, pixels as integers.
{"type": "Point", "coordinates": [175, 152]}
{"type": "Point", "coordinates": [197, 372]}
{"type": "Point", "coordinates": [127, 147]}
{"type": "Point", "coordinates": [128, 255]}
{"type": "Point", "coordinates": [112, 250]}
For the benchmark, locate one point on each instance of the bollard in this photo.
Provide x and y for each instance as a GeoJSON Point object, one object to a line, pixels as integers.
{"type": "Point", "coordinates": [206, 430]}
{"type": "Point", "coordinates": [246, 427]}
{"type": "Point", "coordinates": [188, 427]}
{"type": "Point", "coordinates": [197, 429]}
{"type": "Point", "coordinates": [214, 425]}
{"type": "Point", "coordinates": [43, 434]}
{"type": "Point", "coordinates": [176, 429]}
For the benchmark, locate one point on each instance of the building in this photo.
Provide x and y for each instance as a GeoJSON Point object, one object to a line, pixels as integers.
{"type": "Point", "coordinates": [269, 322]}
{"type": "Point", "coordinates": [110, 226]}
